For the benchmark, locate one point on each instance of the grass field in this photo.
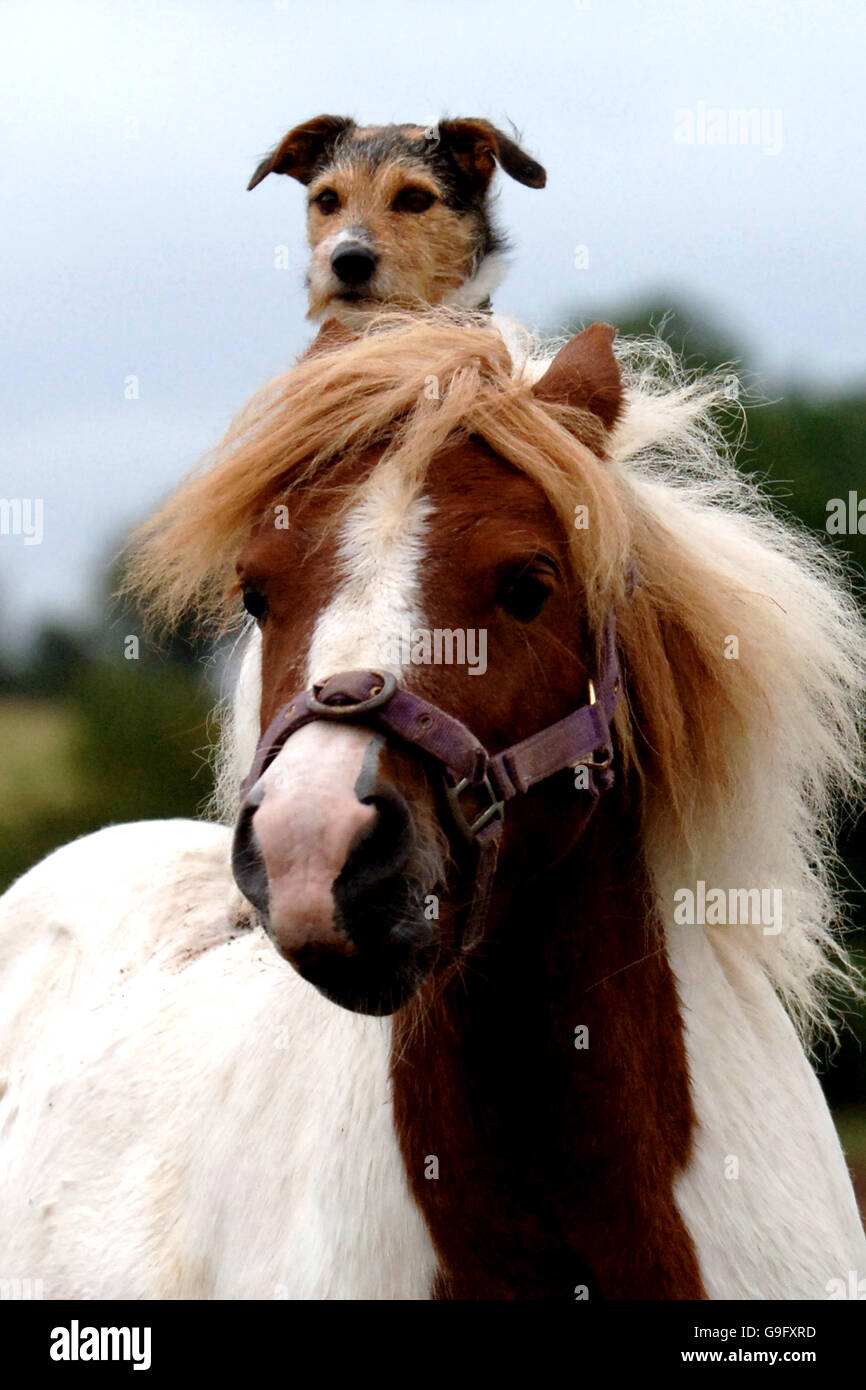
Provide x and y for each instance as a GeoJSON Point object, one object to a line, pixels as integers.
{"type": "Point", "coordinates": [38, 766]}
{"type": "Point", "coordinates": [125, 744]}
{"type": "Point", "coordinates": [41, 788]}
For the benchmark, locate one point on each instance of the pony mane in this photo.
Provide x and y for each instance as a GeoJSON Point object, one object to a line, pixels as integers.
{"type": "Point", "coordinates": [745, 762]}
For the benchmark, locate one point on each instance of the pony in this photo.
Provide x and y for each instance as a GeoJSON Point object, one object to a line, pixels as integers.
{"type": "Point", "coordinates": [363, 1076]}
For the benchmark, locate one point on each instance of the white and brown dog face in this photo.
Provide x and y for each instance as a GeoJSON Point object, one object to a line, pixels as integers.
{"type": "Point", "coordinates": [399, 214]}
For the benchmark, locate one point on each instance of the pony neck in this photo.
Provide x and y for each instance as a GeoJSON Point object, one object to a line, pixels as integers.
{"type": "Point", "coordinates": [544, 1158]}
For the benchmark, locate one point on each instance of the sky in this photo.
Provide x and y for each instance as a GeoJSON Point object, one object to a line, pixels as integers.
{"type": "Point", "coordinates": [131, 249]}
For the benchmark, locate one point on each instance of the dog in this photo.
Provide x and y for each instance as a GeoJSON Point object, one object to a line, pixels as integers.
{"type": "Point", "coordinates": [399, 215]}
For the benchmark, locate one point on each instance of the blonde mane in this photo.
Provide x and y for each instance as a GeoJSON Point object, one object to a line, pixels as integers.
{"type": "Point", "coordinates": [746, 761]}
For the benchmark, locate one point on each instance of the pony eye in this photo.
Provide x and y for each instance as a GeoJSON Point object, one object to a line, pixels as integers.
{"type": "Point", "coordinates": [327, 201]}
{"type": "Point", "coordinates": [524, 595]}
{"type": "Point", "coordinates": [413, 200]}
{"type": "Point", "coordinates": [254, 602]}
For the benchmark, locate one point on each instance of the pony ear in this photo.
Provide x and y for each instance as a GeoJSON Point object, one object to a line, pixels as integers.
{"type": "Point", "coordinates": [586, 374]}
{"type": "Point", "coordinates": [477, 147]}
{"type": "Point", "coordinates": [298, 152]}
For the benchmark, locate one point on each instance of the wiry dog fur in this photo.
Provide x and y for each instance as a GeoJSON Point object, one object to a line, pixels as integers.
{"type": "Point", "coordinates": [399, 214]}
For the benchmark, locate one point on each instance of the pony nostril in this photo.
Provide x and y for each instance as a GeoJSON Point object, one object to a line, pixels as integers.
{"type": "Point", "coordinates": [353, 264]}
{"type": "Point", "coordinates": [380, 853]}
{"type": "Point", "coordinates": [248, 862]}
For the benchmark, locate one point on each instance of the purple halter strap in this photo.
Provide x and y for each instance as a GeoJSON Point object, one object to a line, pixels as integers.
{"type": "Point", "coordinates": [471, 774]}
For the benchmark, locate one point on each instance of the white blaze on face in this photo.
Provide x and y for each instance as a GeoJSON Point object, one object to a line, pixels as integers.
{"type": "Point", "coordinates": [310, 813]}
{"type": "Point", "coordinates": [306, 824]}
{"type": "Point", "coordinates": [379, 559]}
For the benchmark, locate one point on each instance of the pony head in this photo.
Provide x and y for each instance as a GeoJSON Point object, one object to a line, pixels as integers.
{"type": "Point", "coordinates": [409, 482]}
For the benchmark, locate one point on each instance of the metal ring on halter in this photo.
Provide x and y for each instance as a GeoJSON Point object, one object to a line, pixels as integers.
{"type": "Point", "coordinates": [379, 695]}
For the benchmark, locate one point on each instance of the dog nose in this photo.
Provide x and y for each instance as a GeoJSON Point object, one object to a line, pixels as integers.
{"type": "Point", "coordinates": [354, 263]}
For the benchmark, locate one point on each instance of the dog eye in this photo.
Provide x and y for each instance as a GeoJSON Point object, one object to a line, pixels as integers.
{"type": "Point", "coordinates": [327, 201]}
{"type": "Point", "coordinates": [254, 602]}
{"type": "Point", "coordinates": [413, 200]}
{"type": "Point", "coordinates": [524, 595]}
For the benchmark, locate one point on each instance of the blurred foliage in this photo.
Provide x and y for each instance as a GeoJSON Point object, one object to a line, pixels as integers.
{"type": "Point", "coordinates": [91, 737]}
{"type": "Point", "coordinates": [97, 730]}
{"type": "Point", "coordinates": [117, 741]}
{"type": "Point", "coordinates": [805, 449]}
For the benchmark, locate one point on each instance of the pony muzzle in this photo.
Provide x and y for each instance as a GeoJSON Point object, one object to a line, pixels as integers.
{"type": "Point", "coordinates": [321, 848]}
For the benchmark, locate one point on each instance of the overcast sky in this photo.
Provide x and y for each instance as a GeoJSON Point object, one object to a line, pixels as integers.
{"type": "Point", "coordinates": [130, 246]}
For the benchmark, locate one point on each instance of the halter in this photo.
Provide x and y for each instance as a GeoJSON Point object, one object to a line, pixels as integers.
{"type": "Point", "coordinates": [471, 775]}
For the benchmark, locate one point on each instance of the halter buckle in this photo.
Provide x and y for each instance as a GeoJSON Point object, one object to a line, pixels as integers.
{"type": "Point", "coordinates": [496, 808]}
{"type": "Point", "coordinates": [591, 760]}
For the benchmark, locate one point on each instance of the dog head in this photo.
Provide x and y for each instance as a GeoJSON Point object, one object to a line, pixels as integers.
{"type": "Point", "coordinates": [399, 214]}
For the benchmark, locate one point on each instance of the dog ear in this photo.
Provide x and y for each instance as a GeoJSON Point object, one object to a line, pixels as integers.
{"type": "Point", "coordinates": [298, 152]}
{"type": "Point", "coordinates": [477, 147]}
{"type": "Point", "coordinates": [586, 374]}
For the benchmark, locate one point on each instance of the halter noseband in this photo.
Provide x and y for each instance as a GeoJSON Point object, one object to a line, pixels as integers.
{"type": "Point", "coordinates": [373, 698]}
